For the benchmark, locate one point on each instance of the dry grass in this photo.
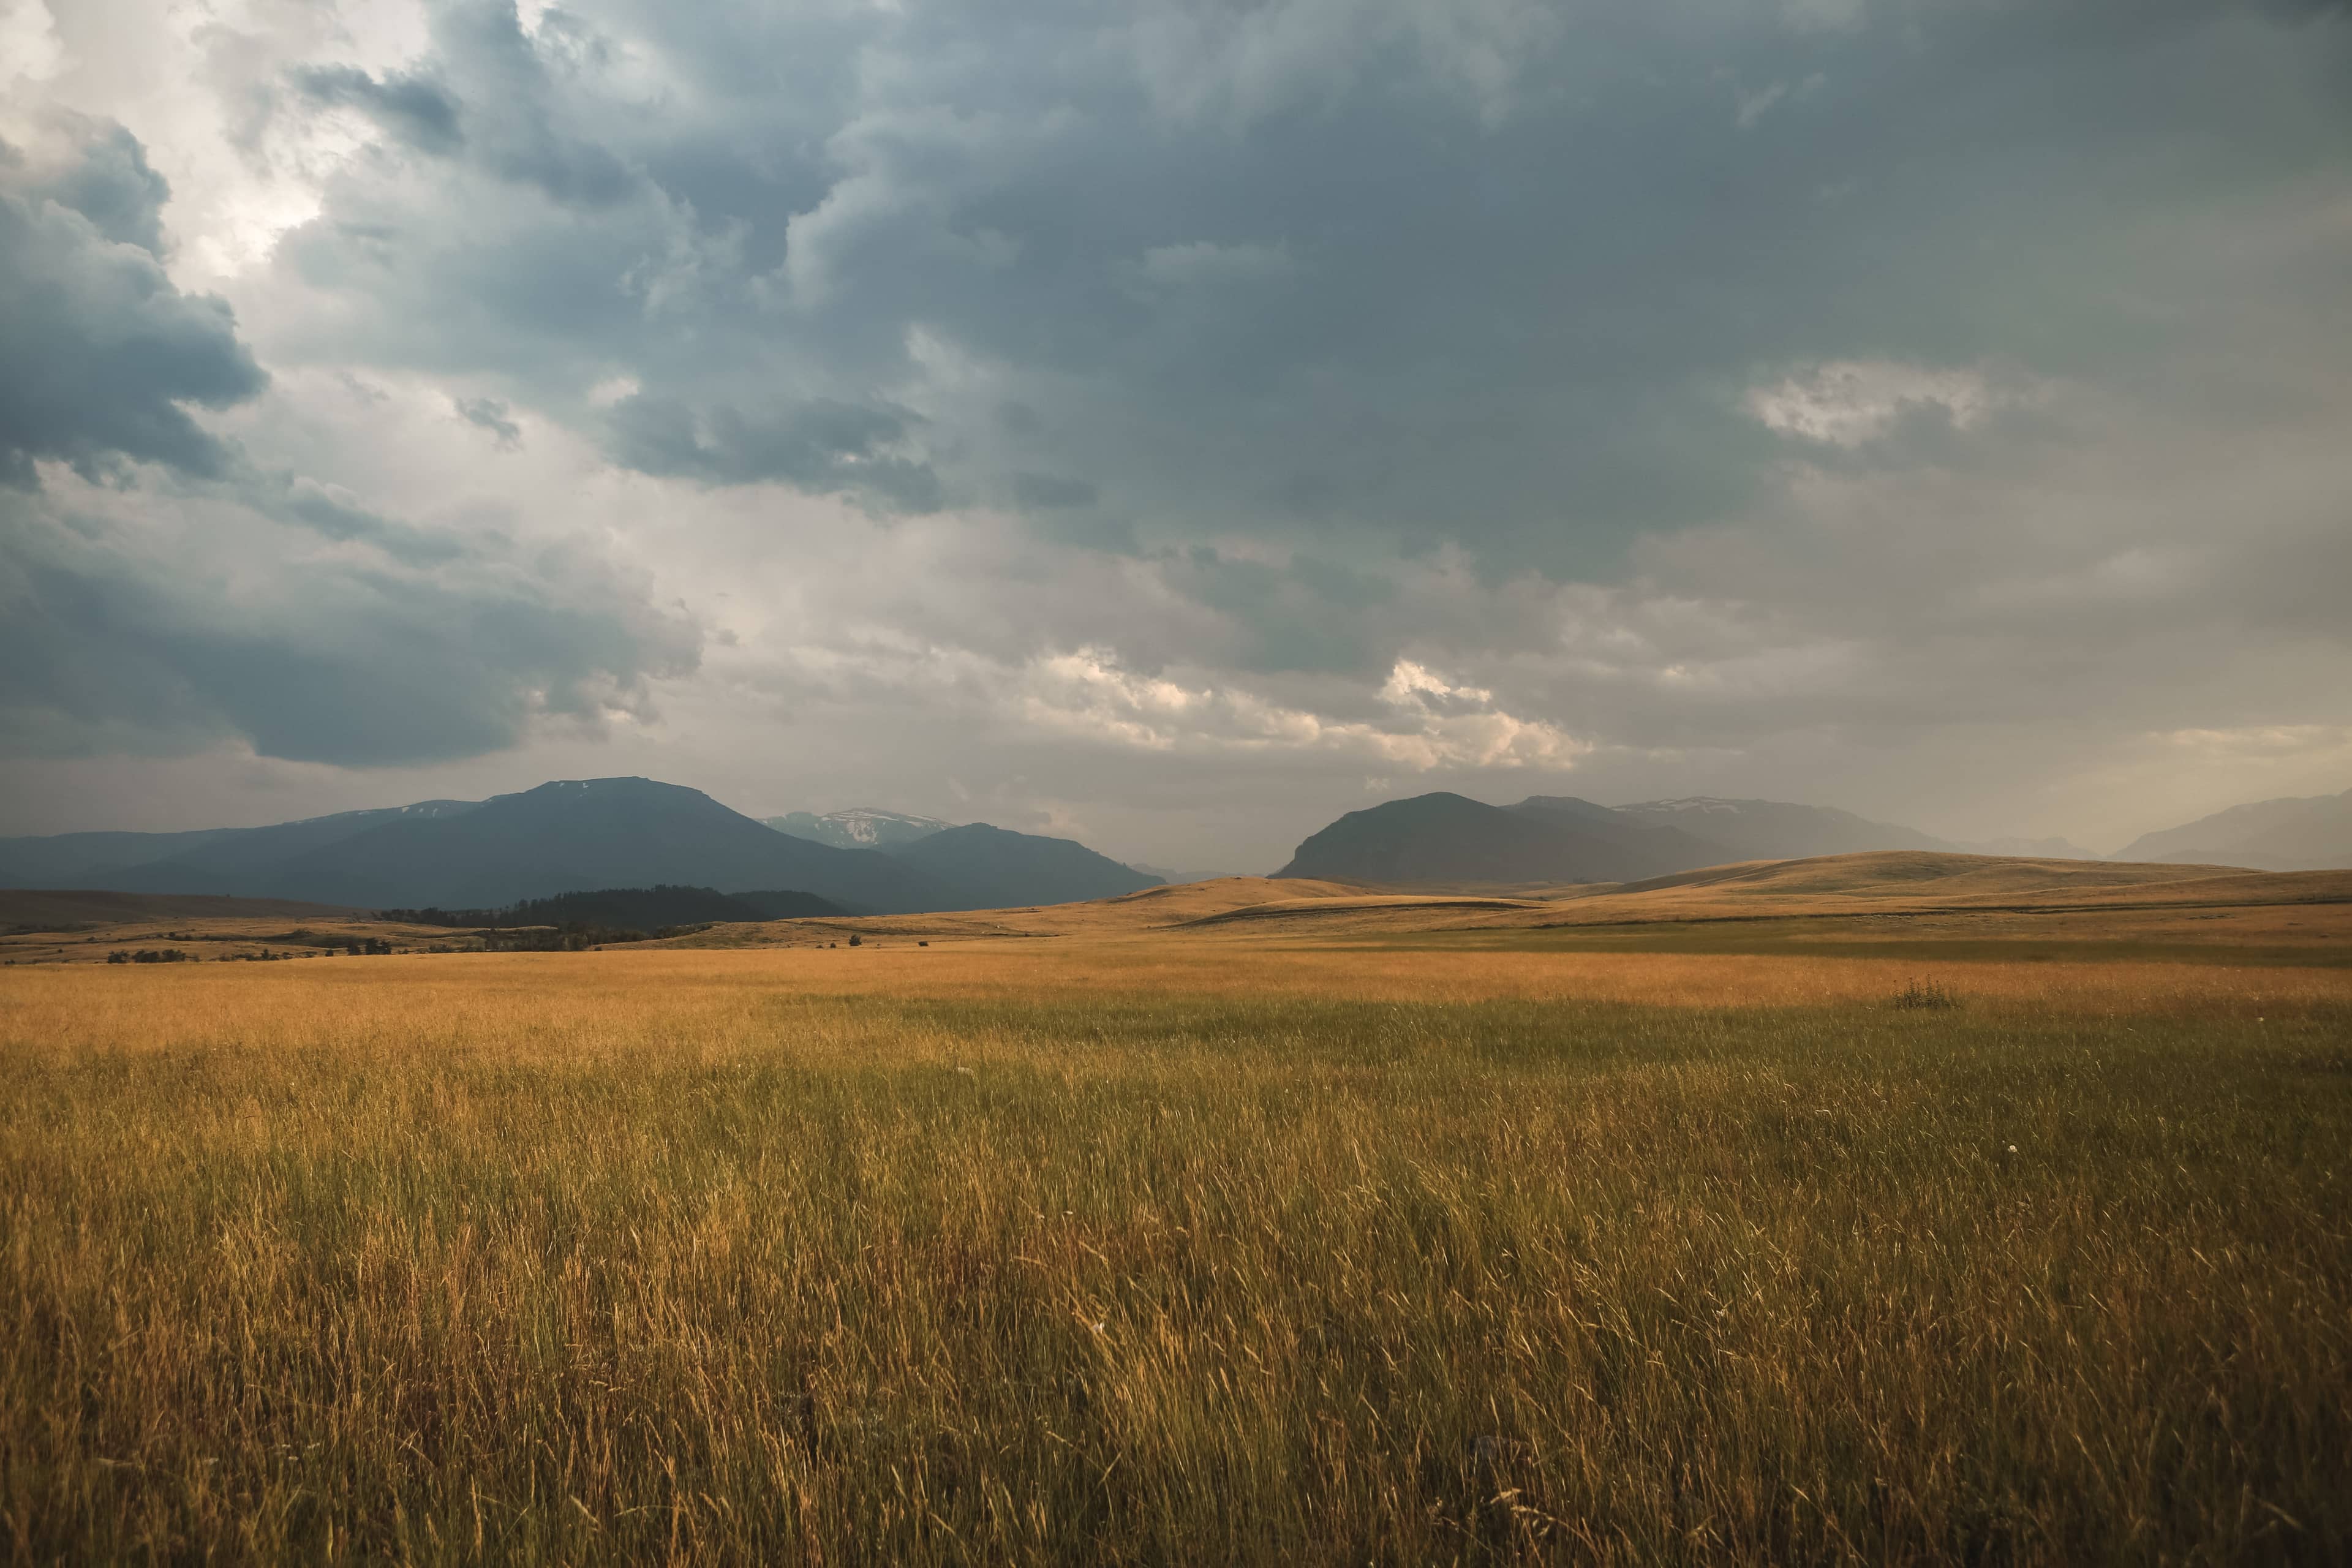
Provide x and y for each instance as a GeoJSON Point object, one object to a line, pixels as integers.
{"type": "Point", "coordinates": [1843, 898]}
{"type": "Point", "coordinates": [241, 937]}
{"type": "Point", "coordinates": [1158, 1251]}
{"type": "Point", "coordinates": [1843, 902]}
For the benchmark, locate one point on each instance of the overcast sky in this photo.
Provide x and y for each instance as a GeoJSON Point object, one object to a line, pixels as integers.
{"type": "Point", "coordinates": [1175, 423]}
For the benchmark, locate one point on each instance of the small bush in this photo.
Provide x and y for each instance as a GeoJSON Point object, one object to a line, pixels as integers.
{"type": "Point", "coordinates": [1925, 994]}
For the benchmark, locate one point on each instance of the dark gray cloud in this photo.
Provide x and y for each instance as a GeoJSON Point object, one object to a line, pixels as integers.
{"type": "Point", "coordinates": [1339, 274]}
{"type": "Point", "coordinates": [416, 110]}
{"type": "Point", "coordinates": [115, 638]}
{"type": "Point", "coordinates": [105, 177]}
{"type": "Point", "coordinates": [1051, 492]}
{"type": "Point", "coordinates": [494, 96]}
{"type": "Point", "coordinates": [822, 447]}
{"type": "Point", "coordinates": [491, 414]}
{"type": "Point", "coordinates": [102, 352]}
{"type": "Point", "coordinates": [333, 513]}
{"type": "Point", "coordinates": [1316, 395]}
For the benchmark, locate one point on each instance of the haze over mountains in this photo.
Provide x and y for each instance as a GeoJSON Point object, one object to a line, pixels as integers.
{"type": "Point", "coordinates": [990, 867]}
{"type": "Point", "coordinates": [568, 836]}
{"type": "Point", "coordinates": [1446, 837]}
{"type": "Point", "coordinates": [980, 865]}
{"type": "Point", "coordinates": [1777, 830]}
{"type": "Point", "coordinates": [588, 835]}
{"type": "Point", "coordinates": [2313, 833]}
{"type": "Point", "coordinates": [120, 860]}
{"type": "Point", "coordinates": [1450, 838]}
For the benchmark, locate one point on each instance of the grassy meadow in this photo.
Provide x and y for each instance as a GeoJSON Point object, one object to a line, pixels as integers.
{"type": "Point", "coordinates": [1170, 1251]}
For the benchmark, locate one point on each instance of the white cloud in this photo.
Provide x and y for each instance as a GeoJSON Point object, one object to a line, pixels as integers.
{"type": "Point", "coordinates": [1433, 723]}
{"type": "Point", "coordinates": [30, 50]}
{"type": "Point", "coordinates": [1845, 402]}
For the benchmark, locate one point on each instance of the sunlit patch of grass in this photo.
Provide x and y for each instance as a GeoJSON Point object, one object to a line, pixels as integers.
{"type": "Point", "coordinates": [927, 1255]}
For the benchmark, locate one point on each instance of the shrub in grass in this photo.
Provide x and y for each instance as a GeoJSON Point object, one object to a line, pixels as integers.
{"type": "Point", "coordinates": [1924, 995]}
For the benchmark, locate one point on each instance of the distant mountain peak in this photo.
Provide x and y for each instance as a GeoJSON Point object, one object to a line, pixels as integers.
{"type": "Point", "coordinates": [624, 784]}
{"type": "Point", "coordinates": [874, 815]}
{"type": "Point", "coordinates": [1020, 867]}
{"type": "Point", "coordinates": [1572, 805]}
{"type": "Point", "coordinates": [1444, 838]}
{"type": "Point", "coordinates": [421, 808]}
{"type": "Point", "coordinates": [857, 826]}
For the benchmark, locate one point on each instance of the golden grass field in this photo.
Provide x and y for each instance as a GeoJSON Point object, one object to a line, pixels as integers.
{"type": "Point", "coordinates": [85, 927]}
{"type": "Point", "coordinates": [1153, 1243]}
{"type": "Point", "coordinates": [1879, 897]}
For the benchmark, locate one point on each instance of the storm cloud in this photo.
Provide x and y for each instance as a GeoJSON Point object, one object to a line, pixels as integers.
{"type": "Point", "coordinates": [159, 590]}
{"type": "Point", "coordinates": [102, 351]}
{"type": "Point", "coordinates": [1066, 411]}
{"type": "Point", "coordinates": [1324, 268]}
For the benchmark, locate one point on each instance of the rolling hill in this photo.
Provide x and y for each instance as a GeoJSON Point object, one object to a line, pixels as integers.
{"type": "Point", "coordinates": [33, 910]}
{"type": "Point", "coordinates": [1985, 906]}
{"type": "Point", "coordinates": [634, 908]}
{"type": "Point", "coordinates": [1165, 908]}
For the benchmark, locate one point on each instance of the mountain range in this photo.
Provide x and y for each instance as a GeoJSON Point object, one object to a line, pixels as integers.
{"type": "Point", "coordinates": [75, 859]}
{"type": "Point", "coordinates": [1446, 837]}
{"type": "Point", "coordinates": [1450, 838]}
{"type": "Point", "coordinates": [2313, 833]}
{"type": "Point", "coordinates": [578, 836]}
{"type": "Point", "coordinates": [567, 836]}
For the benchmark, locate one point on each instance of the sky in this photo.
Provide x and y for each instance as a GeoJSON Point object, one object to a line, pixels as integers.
{"type": "Point", "coordinates": [1173, 425]}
